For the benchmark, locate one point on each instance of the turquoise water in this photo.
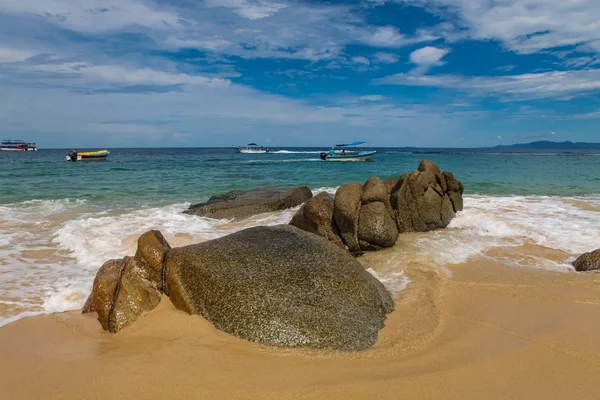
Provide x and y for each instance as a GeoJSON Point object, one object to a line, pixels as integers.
{"type": "Point", "coordinates": [148, 177]}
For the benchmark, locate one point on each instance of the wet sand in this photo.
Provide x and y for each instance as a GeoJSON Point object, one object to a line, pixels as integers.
{"type": "Point", "coordinates": [482, 331]}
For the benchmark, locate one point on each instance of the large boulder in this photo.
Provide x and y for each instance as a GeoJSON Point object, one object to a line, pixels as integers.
{"type": "Point", "coordinates": [239, 204]}
{"type": "Point", "coordinates": [376, 228]}
{"type": "Point", "coordinates": [316, 216]}
{"type": "Point", "coordinates": [346, 211]}
{"type": "Point", "coordinates": [588, 261]}
{"type": "Point", "coordinates": [375, 190]}
{"type": "Point", "coordinates": [280, 286]}
{"type": "Point", "coordinates": [426, 199]}
{"type": "Point", "coordinates": [127, 288]}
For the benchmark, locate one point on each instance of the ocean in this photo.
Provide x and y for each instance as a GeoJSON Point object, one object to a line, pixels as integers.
{"type": "Point", "coordinates": [60, 221]}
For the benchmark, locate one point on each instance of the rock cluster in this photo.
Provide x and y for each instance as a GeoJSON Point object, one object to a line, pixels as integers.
{"type": "Point", "coordinates": [276, 285]}
{"type": "Point", "coordinates": [239, 204]}
{"type": "Point", "coordinates": [371, 216]}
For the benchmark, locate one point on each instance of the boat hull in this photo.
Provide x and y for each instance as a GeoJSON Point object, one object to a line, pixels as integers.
{"type": "Point", "coordinates": [89, 156]}
{"type": "Point", "coordinates": [365, 156]}
{"type": "Point", "coordinates": [250, 151]}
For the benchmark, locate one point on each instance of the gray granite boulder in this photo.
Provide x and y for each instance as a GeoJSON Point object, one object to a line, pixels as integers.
{"type": "Point", "coordinates": [279, 286]}
{"type": "Point", "coordinates": [376, 228]}
{"type": "Point", "coordinates": [346, 212]}
{"type": "Point", "coordinates": [426, 199]}
{"type": "Point", "coordinates": [239, 204]}
{"type": "Point", "coordinates": [588, 261]}
{"type": "Point", "coordinates": [316, 216]}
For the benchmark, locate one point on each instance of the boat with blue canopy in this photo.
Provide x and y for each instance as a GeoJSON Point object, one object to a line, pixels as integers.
{"type": "Point", "coordinates": [347, 152]}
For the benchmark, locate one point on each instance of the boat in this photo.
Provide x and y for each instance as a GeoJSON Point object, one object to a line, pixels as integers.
{"type": "Point", "coordinates": [339, 153]}
{"type": "Point", "coordinates": [88, 155]}
{"type": "Point", "coordinates": [17, 145]}
{"type": "Point", "coordinates": [251, 148]}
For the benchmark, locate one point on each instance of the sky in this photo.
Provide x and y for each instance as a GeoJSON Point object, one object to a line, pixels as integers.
{"type": "Point", "coordinates": [430, 73]}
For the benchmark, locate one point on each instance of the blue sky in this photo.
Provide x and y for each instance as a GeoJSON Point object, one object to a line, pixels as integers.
{"type": "Point", "coordinates": [444, 73]}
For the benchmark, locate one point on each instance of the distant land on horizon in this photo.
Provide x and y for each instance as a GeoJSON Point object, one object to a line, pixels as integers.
{"type": "Point", "coordinates": [548, 145]}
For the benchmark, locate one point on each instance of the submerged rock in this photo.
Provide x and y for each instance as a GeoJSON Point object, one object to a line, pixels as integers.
{"type": "Point", "coordinates": [239, 204]}
{"type": "Point", "coordinates": [588, 261]}
{"type": "Point", "coordinates": [280, 286]}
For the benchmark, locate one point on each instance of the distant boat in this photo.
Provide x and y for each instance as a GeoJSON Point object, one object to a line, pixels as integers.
{"type": "Point", "coordinates": [88, 155]}
{"type": "Point", "coordinates": [17, 145]}
{"type": "Point", "coordinates": [347, 155]}
{"type": "Point", "coordinates": [251, 148]}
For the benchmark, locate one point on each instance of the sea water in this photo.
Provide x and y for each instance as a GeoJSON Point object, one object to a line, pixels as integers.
{"type": "Point", "coordinates": [60, 221]}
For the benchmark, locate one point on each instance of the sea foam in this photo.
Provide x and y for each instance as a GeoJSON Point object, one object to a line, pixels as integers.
{"type": "Point", "coordinates": [50, 250]}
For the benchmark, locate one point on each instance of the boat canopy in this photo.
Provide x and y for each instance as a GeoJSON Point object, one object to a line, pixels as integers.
{"type": "Point", "coordinates": [349, 144]}
{"type": "Point", "coordinates": [252, 144]}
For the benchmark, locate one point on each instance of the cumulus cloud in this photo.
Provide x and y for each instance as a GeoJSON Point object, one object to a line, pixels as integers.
{"type": "Point", "coordinates": [428, 56]}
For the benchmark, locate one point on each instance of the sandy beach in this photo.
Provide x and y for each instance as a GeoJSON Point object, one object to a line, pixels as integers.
{"type": "Point", "coordinates": [478, 330]}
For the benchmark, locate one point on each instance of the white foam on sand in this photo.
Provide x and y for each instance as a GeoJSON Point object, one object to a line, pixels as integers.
{"type": "Point", "coordinates": [489, 222]}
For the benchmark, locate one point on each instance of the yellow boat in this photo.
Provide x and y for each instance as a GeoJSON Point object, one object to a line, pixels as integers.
{"type": "Point", "coordinates": [87, 155]}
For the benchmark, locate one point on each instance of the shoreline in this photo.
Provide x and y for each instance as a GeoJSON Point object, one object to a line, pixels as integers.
{"type": "Point", "coordinates": [484, 330]}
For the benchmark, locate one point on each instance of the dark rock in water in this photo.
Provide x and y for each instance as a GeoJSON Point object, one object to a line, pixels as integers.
{"type": "Point", "coordinates": [346, 211]}
{"type": "Point", "coordinates": [125, 289]}
{"type": "Point", "coordinates": [588, 261]}
{"type": "Point", "coordinates": [316, 216]}
{"type": "Point", "coordinates": [240, 204]}
{"type": "Point", "coordinates": [280, 286]}
{"type": "Point", "coordinates": [376, 228]}
{"type": "Point", "coordinates": [426, 199]}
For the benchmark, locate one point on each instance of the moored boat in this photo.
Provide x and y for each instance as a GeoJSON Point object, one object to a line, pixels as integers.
{"type": "Point", "coordinates": [88, 155]}
{"type": "Point", "coordinates": [341, 154]}
{"type": "Point", "coordinates": [251, 148]}
{"type": "Point", "coordinates": [17, 145]}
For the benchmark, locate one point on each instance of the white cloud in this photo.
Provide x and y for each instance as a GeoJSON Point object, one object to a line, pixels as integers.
{"type": "Point", "coordinates": [428, 56]}
{"type": "Point", "coordinates": [118, 74]}
{"type": "Point", "coordinates": [525, 26]}
{"type": "Point", "coordinates": [555, 84]}
{"type": "Point", "coordinates": [93, 15]}
{"type": "Point", "coordinates": [372, 97]}
{"type": "Point", "coordinates": [246, 9]}
{"type": "Point", "coordinates": [386, 36]}
{"type": "Point", "coordinates": [386, 58]}
{"type": "Point", "coordinates": [10, 55]}
{"type": "Point", "coordinates": [360, 60]}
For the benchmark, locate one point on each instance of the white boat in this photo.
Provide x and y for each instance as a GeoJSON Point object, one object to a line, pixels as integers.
{"type": "Point", "coordinates": [17, 145]}
{"type": "Point", "coordinates": [251, 148]}
{"type": "Point", "coordinates": [347, 155]}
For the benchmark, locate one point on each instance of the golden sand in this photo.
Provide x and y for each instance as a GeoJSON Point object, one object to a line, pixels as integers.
{"type": "Point", "coordinates": [482, 331]}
